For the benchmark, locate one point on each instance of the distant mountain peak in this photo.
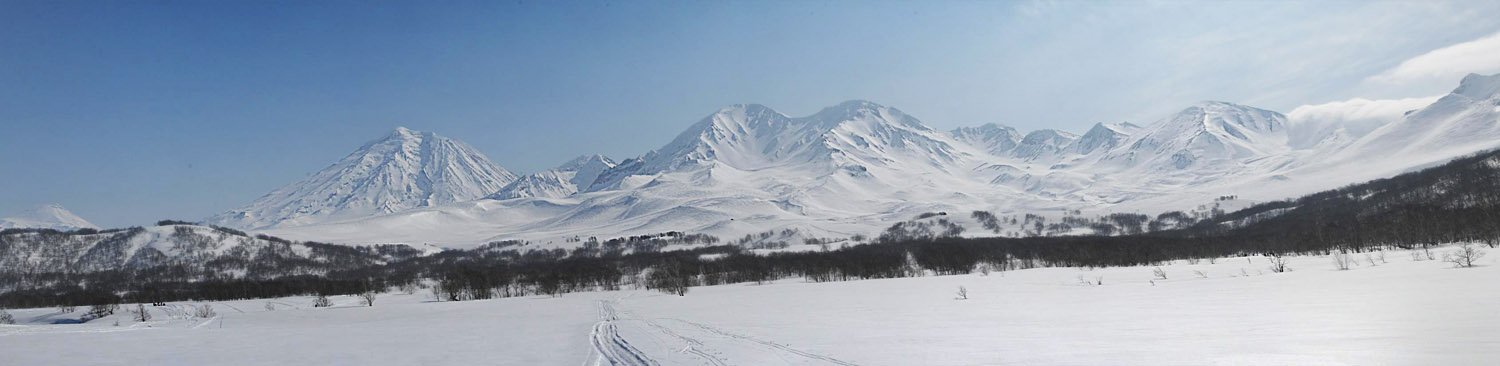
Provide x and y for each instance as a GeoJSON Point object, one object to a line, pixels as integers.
{"type": "Point", "coordinates": [1476, 86]}
{"type": "Point", "coordinates": [405, 169]}
{"type": "Point", "coordinates": [47, 216]}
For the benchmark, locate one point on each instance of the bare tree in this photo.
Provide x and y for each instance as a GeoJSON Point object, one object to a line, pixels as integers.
{"type": "Point", "coordinates": [1159, 273]}
{"type": "Point", "coordinates": [1278, 263]}
{"type": "Point", "coordinates": [66, 309]}
{"type": "Point", "coordinates": [270, 306]}
{"type": "Point", "coordinates": [963, 293]}
{"type": "Point", "coordinates": [6, 318]}
{"type": "Point", "coordinates": [1464, 256]}
{"type": "Point", "coordinates": [368, 297]}
{"type": "Point", "coordinates": [141, 314]}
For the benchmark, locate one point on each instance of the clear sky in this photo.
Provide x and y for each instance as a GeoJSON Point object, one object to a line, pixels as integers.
{"type": "Point", "coordinates": [131, 111]}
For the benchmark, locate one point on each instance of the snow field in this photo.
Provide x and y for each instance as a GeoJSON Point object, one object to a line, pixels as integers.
{"type": "Point", "coordinates": [1396, 312]}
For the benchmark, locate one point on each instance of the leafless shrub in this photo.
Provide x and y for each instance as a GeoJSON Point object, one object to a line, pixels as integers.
{"type": "Point", "coordinates": [270, 306]}
{"type": "Point", "coordinates": [322, 302]}
{"type": "Point", "coordinates": [205, 312]}
{"type": "Point", "coordinates": [1200, 274]}
{"type": "Point", "coordinates": [368, 297]}
{"type": "Point", "coordinates": [140, 313]}
{"type": "Point", "coordinates": [963, 293]}
{"type": "Point", "coordinates": [1341, 261]}
{"type": "Point", "coordinates": [1464, 256]}
{"type": "Point", "coordinates": [100, 311]}
{"type": "Point", "coordinates": [1159, 273]}
{"type": "Point", "coordinates": [1278, 263]}
{"type": "Point", "coordinates": [6, 318]}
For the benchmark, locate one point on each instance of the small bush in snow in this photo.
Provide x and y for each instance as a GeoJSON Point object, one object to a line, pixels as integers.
{"type": "Point", "coordinates": [1464, 256]}
{"type": "Point", "coordinates": [322, 302]}
{"type": "Point", "coordinates": [6, 318]}
{"type": "Point", "coordinates": [1342, 261]}
{"type": "Point", "coordinates": [270, 307]}
{"type": "Point", "coordinates": [1159, 273]}
{"type": "Point", "coordinates": [1200, 274]}
{"type": "Point", "coordinates": [204, 312]}
{"type": "Point", "coordinates": [963, 293]}
{"type": "Point", "coordinates": [66, 309]}
{"type": "Point", "coordinates": [1278, 263]}
{"type": "Point", "coordinates": [368, 297]}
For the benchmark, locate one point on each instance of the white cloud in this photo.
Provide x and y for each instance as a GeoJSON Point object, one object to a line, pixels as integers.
{"type": "Point", "coordinates": [1447, 64]}
{"type": "Point", "coordinates": [1355, 117]}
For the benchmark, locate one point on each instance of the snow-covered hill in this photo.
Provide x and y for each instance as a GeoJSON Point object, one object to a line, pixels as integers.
{"type": "Point", "coordinates": [193, 249]}
{"type": "Point", "coordinates": [858, 167]}
{"type": "Point", "coordinates": [50, 216]}
{"type": "Point", "coordinates": [562, 181]}
{"type": "Point", "coordinates": [404, 170]}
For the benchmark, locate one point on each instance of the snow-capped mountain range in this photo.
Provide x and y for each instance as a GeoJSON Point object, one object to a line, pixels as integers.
{"type": "Point", "coordinates": [857, 167]}
{"type": "Point", "coordinates": [49, 216]}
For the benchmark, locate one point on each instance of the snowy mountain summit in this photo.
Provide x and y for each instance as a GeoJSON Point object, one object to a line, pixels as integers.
{"type": "Point", "coordinates": [403, 170]}
{"type": "Point", "coordinates": [50, 216]}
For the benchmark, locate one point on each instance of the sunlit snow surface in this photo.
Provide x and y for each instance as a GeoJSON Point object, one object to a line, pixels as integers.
{"type": "Point", "coordinates": [1396, 312]}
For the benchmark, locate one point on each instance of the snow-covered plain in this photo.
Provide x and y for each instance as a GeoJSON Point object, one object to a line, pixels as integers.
{"type": "Point", "coordinates": [1395, 312]}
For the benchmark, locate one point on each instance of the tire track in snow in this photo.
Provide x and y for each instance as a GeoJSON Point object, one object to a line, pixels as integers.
{"type": "Point", "coordinates": [610, 346]}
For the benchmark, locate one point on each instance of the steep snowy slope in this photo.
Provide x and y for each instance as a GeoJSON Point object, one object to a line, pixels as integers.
{"type": "Point", "coordinates": [403, 170]}
{"type": "Point", "coordinates": [50, 216]}
{"type": "Point", "coordinates": [558, 182]}
{"type": "Point", "coordinates": [992, 138]}
{"type": "Point", "coordinates": [1465, 120]}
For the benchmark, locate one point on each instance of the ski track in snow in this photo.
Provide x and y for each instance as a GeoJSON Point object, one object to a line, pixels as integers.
{"type": "Point", "coordinates": [612, 349]}
{"type": "Point", "coordinates": [609, 346]}
{"type": "Point", "coordinates": [770, 345]}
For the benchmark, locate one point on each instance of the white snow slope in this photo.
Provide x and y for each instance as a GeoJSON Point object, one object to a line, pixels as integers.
{"type": "Point", "coordinates": [857, 167]}
{"type": "Point", "coordinates": [406, 169]}
{"type": "Point", "coordinates": [50, 216]}
{"type": "Point", "coordinates": [1390, 311]}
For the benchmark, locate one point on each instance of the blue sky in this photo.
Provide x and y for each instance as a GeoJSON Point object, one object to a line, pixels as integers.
{"type": "Point", "coordinates": [130, 111]}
